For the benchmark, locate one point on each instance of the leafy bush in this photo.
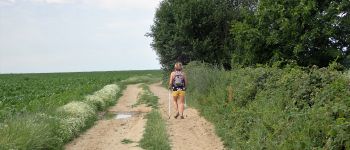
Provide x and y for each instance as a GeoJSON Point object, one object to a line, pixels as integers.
{"type": "Point", "coordinates": [274, 108]}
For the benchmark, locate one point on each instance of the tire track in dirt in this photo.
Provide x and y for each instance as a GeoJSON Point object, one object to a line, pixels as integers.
{"type": "Point", "coordinates": [107, 134]}
{"type": "Point", "coordinates": [191, 133]}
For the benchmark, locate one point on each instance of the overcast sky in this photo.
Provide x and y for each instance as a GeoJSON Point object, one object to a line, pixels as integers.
{"type": "Point", "coordinates": [76, 35]}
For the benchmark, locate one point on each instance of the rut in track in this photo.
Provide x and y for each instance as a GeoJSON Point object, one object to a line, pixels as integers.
{"type": "Point", "coordinates": [191, 133]}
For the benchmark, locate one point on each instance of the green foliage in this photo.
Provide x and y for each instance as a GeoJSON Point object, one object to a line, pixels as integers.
{"type": "Point", "coordinates": [22, 93]}
{"type": "Point", "coordinates": [231, 33]}
{"type": "Point", "coordinates": [30, 131]}
{"type": "Point", "coordinates": [51, 131]}
{"type": "Point", "coordinates": [67, 107]}
{"type": "Point", "coordinates": [247, 42]}
{"type": "Point", "coordinates": [311, 32]}
{"type": "Point", "coordinates": [189, 30]}
{"type": "Point", "coordinates": [155, 136]}
{"type": "Point", "coordinates": [201, 77]}
{"type": "Point", "coordinates": [273, 108]}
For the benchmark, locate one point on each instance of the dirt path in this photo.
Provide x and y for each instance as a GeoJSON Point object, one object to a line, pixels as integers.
{"type": "Point", "coordinates": [107, 134]}
{"type": "Point", "coordinates": [191, 133]}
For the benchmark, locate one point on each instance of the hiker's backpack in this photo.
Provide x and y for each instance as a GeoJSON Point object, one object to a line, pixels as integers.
{"type": "Point", "coordinates": [179, 80]}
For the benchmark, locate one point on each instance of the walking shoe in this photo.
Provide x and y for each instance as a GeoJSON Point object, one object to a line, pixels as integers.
{"type": "Point", "coordinates": [177, 115]}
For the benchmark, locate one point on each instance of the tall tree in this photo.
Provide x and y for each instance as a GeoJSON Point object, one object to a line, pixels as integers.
{"type": "Point", "coordinates": [188, 30]}
{"type": "Point", "coordinates": [312, 32]}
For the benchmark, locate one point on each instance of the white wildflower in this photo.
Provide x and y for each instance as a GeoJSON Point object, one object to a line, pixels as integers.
{"type": "Point", "coordinates": [75, 114]}
{"type": "Point", "coordinates": [77, 109]}
{"type": "Point", "coordinates": [107, 92]}
{"type": "Point", "coordinates": [70, 126]}
{"type": "Point", "coordinates": [99, 98]}
{"type": "Point", "coordinates": [95, 101]}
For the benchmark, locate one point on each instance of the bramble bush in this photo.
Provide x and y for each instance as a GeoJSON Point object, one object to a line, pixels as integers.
{"type": "Point", "coordinates": [274, 108]}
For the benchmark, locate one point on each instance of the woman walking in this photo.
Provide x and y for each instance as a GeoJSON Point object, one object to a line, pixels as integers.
{"type": "Point", "coordinates": [178, 83]}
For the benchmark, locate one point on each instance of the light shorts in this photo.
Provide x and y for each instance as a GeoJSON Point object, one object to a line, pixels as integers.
{"type": "Point", "coordinates": [178, 93]}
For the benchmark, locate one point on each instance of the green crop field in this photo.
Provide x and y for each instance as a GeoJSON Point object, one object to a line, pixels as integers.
{"type": "Point", "coordinates": [44, 111]}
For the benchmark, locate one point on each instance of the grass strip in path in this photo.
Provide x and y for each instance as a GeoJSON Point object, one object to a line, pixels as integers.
{"type": "Point", "coordinates": [147, 98]}
{"type": "Point", "coordinates": [155, 136]}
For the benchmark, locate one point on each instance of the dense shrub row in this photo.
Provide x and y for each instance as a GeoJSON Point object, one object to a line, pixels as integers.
{"type": "Point", "coordinates": [272, 108]}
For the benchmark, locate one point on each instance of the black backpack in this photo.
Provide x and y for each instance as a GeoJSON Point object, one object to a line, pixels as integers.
{"type": "Point", "coordinates": [179, 80]}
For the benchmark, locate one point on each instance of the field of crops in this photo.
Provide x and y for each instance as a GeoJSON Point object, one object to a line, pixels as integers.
{"type": "Point", "coordinates": [33, 106]}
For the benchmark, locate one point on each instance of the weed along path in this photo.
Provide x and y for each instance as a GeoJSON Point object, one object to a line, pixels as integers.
{"type": "Point", "coordinates": [191, 133]}
{"type": "Point", "coordinates": [121, 131]}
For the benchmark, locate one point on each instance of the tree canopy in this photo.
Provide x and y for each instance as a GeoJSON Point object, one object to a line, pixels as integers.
{"type": "Point", "coordinates": [311, 32]}
{"type": "Point", "coordinates": [247, 32]}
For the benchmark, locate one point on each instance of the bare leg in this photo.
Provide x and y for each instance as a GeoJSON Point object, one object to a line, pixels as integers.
{"type": "Point", "coordinates": [175, 104]}
{"type": "Point", "coordinates": [181, 104]}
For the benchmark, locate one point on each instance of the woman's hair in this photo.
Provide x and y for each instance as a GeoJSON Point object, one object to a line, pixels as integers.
{"type": "Point", "coordinates": [178, 66]}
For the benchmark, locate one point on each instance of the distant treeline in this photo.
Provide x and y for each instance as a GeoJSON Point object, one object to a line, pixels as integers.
{"type": "Point", "coordinates": [249, 32]}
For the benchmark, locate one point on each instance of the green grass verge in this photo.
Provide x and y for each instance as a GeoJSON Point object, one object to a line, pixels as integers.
{"type": "Point", "coordinates": [155, 136]}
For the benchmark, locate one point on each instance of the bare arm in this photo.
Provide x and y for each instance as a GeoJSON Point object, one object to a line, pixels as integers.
{"type": "Point", "coordinates": [171, 80]}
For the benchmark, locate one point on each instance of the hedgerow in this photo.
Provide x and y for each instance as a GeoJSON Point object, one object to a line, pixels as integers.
{"type": "Point", "coordinates": [274, 108]}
